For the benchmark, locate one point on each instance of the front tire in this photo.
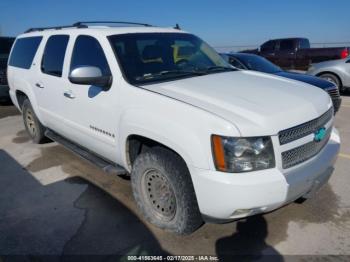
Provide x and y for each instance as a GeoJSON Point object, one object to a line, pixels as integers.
{"type": "Point", "coordinates": [32, 124]}
{"type": "Point", "coordinates": [164, 192]}
{"type": "Point", "coordinates": [334, 79]}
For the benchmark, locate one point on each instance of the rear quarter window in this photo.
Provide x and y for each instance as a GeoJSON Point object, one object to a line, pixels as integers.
{"type": "Point", "coordinates": [24, 51]}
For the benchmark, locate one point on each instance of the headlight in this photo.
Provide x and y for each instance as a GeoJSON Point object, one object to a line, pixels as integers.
{"type": "Point", "coordinates": [237, 154]}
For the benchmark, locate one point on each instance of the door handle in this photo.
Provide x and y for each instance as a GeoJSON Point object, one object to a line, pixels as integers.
{"type": "Point", "coordinates": [39, 85]}
{"type": "Point", "coordinates": [69, 94]}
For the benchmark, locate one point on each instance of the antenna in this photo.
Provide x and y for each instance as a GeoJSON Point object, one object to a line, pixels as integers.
{"type": "Point", "coordinates": [177, 27]}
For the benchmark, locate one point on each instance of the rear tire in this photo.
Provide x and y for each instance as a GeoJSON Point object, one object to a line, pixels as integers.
{"type": "Point", "coordinates": [164, 192]}
{"type": "Point", "coordinates": [32, 124]}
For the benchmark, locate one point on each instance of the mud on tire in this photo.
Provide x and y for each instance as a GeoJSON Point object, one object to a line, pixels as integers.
{"type": "Point", "coordinates": [164, 192]}
{"type": "Point", "coordinates": [32, 124]}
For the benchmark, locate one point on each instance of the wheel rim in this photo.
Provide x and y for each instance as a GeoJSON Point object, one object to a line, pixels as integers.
{"type": "Point", "coordinates": [159, 194]}
{"type": "Point", "coordinates": [330, 79]}
{"type": "Point", "coordinates": [30, 122]}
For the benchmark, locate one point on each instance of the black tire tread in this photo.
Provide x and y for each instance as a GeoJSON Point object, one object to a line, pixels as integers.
{"type": "Point", "coordinates": [186, 220]}
{"type": "Point", "coordinates": [40, 137]}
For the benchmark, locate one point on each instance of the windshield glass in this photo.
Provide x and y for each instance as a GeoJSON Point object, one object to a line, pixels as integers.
{"type": "Point", "coordinates": [258, 63]}
{"type": "Point", "coordinates": [156, 57]}
{"type": "Point", "coordinates": [5, 46]}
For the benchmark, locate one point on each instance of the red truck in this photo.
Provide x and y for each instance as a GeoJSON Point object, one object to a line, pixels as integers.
{"type": "Point", "coordinates": [295, 53]}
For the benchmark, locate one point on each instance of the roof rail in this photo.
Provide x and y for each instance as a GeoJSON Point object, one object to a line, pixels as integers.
{"type": "Point", "coordinates": [82, 25]}
{"type": "Point", "coordinates": [109, 22]}
{"type": "Point", "coordinates": [53, 27]}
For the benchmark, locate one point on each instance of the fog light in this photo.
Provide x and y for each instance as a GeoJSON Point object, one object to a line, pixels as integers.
{"type": "Point", "coordinates": [248, 212]}
{"type": "Point", "coordinates": [240, 212]}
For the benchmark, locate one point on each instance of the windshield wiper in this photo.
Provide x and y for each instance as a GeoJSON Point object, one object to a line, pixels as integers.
{"type": "Point", "coordinates": [170, 73]}
{"type": "Point", "coordinates": [182, 72]}
{"type": "Point", "coordinates": [220, 68]}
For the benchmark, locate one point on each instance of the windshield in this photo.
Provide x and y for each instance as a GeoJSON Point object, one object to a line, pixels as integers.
{"type": "Point", "coordinates": [258, 63]}
{"type": "Point", "coordinates": [5, 46]}
{"type": "Point", "coordinates": [156, 57]}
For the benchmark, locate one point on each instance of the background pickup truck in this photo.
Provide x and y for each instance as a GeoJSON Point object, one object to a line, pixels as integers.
{"type": "Point", "coordinates": [5, 48]}
{"type": "Point", "coordinates": [295, 53]}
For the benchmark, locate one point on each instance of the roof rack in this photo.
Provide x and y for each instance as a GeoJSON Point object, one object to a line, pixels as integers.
{"type": "Point", "coordinates": [53, 27]}
{"type": "Point", "coordinates": [109, 22]}
{"type": "Point", "coordinates": [82, 25]}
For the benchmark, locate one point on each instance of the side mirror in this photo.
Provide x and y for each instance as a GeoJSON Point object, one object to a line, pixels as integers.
{"type": "Point", "coordinates": [89, 75]}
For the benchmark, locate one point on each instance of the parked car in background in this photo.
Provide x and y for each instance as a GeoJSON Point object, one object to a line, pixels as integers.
{"type": "Point", "coordinates": [295, 53]}
{"type": "Point", "coordinates": [200, 139]}
{"type": "Point", "coordinates": [5, 47]}
{"type": "Point", "coordinates": [258, 63]}
{"type": "Point", "coordinates": [336, 71]}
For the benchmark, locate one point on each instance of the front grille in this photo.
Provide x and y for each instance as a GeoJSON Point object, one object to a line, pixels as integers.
{"type": "Point", "coordinates": [334, 94]}
{"type": "Point", "coordinates": [302, 153]}
{"type": "Point", "coordinates": [3, 77]}
{"type": "Point", "coordinates": [294, 133]}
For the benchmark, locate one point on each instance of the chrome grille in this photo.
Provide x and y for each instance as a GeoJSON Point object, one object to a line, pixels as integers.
{"type": "Point", "coordinates": [304, 152]}
{"type": "Point", "coordinates": [294, 133]}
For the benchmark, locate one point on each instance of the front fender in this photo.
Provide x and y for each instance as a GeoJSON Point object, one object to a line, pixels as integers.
{"type": "Point", "coordinates": [169, 131]}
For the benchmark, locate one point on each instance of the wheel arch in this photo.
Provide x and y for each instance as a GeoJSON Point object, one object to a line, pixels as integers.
{"type": "Point", "coordinates": [26, 93]}
{"type": "Point", "coordinates": [21, 97]}
{"type": "Point", "coordinates": [331, 73]}
{"type": "Point", "coordinates": [137, 144]}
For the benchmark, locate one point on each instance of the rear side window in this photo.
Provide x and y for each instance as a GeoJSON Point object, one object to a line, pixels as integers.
{"type": "Point", "coordinates": [304, 44]}
{"type": "Point", "coordinates": [286, 45]}
{"type": "Point", "coordinates": [53, 57]}
{"type": "Point", "coordinates": [88, 52]}
{"type": "Point", "coordinates": [24, 51]}
{"type": "Point", "coordinates": [268, 46]}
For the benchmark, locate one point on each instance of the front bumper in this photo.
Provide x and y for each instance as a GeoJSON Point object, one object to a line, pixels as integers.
{"type": "Point", "coordinates": [223, 196]}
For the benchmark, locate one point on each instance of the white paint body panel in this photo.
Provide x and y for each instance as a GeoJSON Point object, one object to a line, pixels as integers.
{"type": "Point", "coordinates": [182, 115]}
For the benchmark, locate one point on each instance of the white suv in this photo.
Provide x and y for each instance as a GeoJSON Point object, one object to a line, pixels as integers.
{"type": "Point", "coordinates": [201, 140]}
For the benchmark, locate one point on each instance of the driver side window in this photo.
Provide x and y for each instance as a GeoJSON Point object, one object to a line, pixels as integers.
{"type": "Point", "coordinates": [88, 52]}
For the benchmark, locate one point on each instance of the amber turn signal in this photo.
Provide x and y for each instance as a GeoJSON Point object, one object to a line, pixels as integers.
{"type": "Point", "coordinates": [218, 152]}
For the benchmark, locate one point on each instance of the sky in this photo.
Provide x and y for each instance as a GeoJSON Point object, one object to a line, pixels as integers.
{"type": "Point", "coordinates": [219, 22]}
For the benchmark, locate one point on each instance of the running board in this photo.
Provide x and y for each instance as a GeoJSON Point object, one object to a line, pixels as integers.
{"type": "Point", "coordinates": [105, 165]}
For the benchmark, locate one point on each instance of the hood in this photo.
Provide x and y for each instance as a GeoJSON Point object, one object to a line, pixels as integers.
{"type": "Point", "coordinates": [312, 80]}
{"type": "Point", "coordinates": [255, 103]}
